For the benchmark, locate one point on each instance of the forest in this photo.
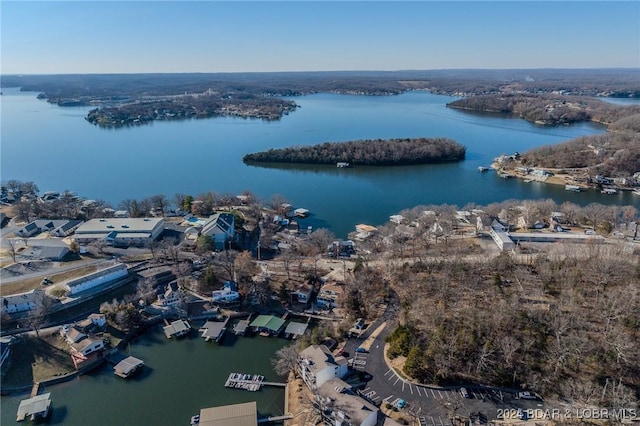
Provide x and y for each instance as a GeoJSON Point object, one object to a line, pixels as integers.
{"type": "Point", "coordinates": [378, 152]}
{"type": "Point", "coordinates": [562, 320]}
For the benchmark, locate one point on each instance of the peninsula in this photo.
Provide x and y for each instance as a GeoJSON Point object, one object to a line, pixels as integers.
{"type": "Point", "coordinates": [378, 152]}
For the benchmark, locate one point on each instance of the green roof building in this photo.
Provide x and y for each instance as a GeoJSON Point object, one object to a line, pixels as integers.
{"type": "Point", "coordinates": [268, 323]}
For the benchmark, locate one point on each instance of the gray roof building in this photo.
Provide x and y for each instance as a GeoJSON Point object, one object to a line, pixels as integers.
{"type": "Point", "coordinates": [245, 414]}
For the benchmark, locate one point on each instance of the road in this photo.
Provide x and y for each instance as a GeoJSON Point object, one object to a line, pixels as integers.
{"type": "Point", "coordinates": [431, 405]}
{"type": "Point", "coordinates": [6, 278]}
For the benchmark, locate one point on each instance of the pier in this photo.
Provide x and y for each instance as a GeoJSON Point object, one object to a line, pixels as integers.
{"type": "Point", "coordinates": [249, 382]}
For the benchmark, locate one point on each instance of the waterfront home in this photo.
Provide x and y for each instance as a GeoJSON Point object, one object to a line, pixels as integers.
{"type": "Point", "coordinates": [103, 278]}
{"type": "Point", "coordinates": [221, 228]}
{"type": "Point", "coordinates": [317, 365]}
{"type": "Point", "coordinates": [341, 248]}
{"type": "Point", "coordinates": [177, 328]}
{"type": "Point", "coordinates": [92, 323]}
{"type": "Point", "coordinates": [330, 295]}
{"type": "Point", "coordinates": [87, 346]}
{"type": "Point", "coordinates": [268, 324]}
{"type": "Point", "coordinates": [36, 408]}
{"type": "Point", "coordinates": [244, 414]}
{"type": "Point", "coordinates": [127, 367]}
{"type": "Point", "coordinates": [337, 401]}
{"type": "Point", "coordinates": [120, 231]}
{"type": "Point", "coordinates": [172, 295]}
{"type": "Point", "coordinates": [302, 293]}
{"type": "Point", "coordinates": [21, 302]}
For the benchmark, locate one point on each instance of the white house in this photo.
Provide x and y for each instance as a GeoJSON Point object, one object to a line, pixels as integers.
{"type": "Point", "coordinates": [21, 302]}
{"type": "Point", "coordinates": [317, 365]}
{"type": "Point", "coordinates": [87, 346]}
{"type": "Point", "coordinates": [221, 228]}
{"type": "Point", "coordinates": [97, 279]}
{"type": "Point", "coordinates": [500, 237]}
{"type": "Point", "coordinates": [302, 292]}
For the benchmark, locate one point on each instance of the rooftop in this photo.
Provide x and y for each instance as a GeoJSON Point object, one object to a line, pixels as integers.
{"type": "Point", "coordinates": [129, 224]}
{"type": "Point", "coordinates": [268, 321]}
{"type": "Point", "coordinates": [245, 414]}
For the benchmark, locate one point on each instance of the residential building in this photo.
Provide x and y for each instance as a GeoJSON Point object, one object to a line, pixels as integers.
{"type": "Point", "coordinates": [73, 335]}
{"type": "Point", "coordinates": [339, 405]}
{"type": "Point", "coordinates": [330, 295]}
{"type": "Point", "coordinates": [58, 228]}
{"type": "Point", "coordinates": [172, 295]}
{"type": "Point", "coordinates": [221, 228]}
{"type": "Point", "coordinates": [87, 346]}
{"type": "Point", "coordinates": [317, 365]}
{"type": "Point", "coordinates": [124, 231]}
{"type": "Point", "coordinates": [21, 302]}
{"type": "Point", "coordinates": [302, 293]}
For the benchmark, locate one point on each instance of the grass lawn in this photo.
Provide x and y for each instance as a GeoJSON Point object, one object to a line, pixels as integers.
{"type": "Point", "coordinates": [34, 359]}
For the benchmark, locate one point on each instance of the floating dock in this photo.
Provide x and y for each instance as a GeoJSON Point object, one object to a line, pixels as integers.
{"type": "Point", "coordinates": [128, 367]}
{"type": "Point", "coordinates": [250, 382]}
{"type": "Point", "coordinates": [241, 327]}
{"type": "Point", "coordinates": [177, 328]}
{"type": "Point", "coordinates": [35, 408]}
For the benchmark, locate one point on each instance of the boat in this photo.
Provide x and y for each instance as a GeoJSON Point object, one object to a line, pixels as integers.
{"type": "Point", "coordinates": [636, 191]}
{"type": "Point", "coordinates": [505, 175]}
{"type": "Point", "coordinates": [609, 191]}
{"type": "Point", "coordinates": [195, 420]}
{"type": "Point", "coordinates": [483, 169]}
{"type": "Point", "coordinates": [343, 165]}
{"type": "Point", "coordinates": [574, 188]}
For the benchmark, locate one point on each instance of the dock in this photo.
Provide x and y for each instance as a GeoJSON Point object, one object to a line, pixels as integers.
{"type": "Point", "coordinates": [176, 328]}
{"type": "Point", "coordinates": [249, 382]}
{"type": "Point", "coordinates": [128, 367]}
{"type": "Point", "coordinates": [36, 408]}
{"type": "Point", "coordinates": [241, 327]}
{"type": "Point", "coordinates": [214, 330]}
{"type": "Point", "coordinates": [275, 418]}
{"type": "Point", "coordinates": [35, 389]}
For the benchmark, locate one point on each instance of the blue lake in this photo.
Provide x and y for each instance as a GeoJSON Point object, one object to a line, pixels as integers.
{"type": "Point", "coordinates": [58, 149]}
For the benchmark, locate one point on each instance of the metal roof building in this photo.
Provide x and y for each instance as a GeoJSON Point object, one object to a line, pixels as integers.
{"type": "Point", "coordinates": [245, 414]}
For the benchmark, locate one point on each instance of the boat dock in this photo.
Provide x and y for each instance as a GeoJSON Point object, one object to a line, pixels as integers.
{"type": "Point", "coordinates": [241, 327]}
{"type": "Point", "coordinates": [275, 418]}
{"type": "Point", "coordinates": [249, 382]}
{"type": "Point", "coordinates": [127, 367]}
{"type": "Point", "coordinates": [35, 408]}
{"type": "Point", "coordinates": [214, 330]}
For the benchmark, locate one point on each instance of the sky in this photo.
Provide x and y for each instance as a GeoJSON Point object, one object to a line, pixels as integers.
{"type": "Point", "coordinates": [55, 37]}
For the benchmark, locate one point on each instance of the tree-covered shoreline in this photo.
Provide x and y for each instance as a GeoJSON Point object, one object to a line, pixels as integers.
{"type": "Point", "coordinates": [368, 152]}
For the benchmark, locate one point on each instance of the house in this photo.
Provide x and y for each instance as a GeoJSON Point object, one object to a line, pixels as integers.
{"type": "Point", "coordinates": [172, 295]}
{"type": "Point", "coordinates": [396, 218]}
{"type": "Point", "coordinates": [228, 294]}
{"type": "Point", "coordinates": [330, 295]}
{"type": "Point", "coordinates": [269, 324]}
{"type": "Point", "coordinates": [87, 346]}
{"type": "Point", "coordinates": [302, 293]}
{"type": "Point", "coordinates": [53, 252]}
{"type": "Point", "coordinates": [102, 278]}
{"type": "Point", "coordinates": [73, 335]}
{"type": "Point", "coordinates": [21, 302]}
{"type": "Point", "coordinates": [316, 365]}
{"type": "Point", "coordinates": [57, 227]}
{"type": "Point", "coordinates": [339, 404]}
{"type": "Point", "coordinates": [91, 323]}
{"type": "Point", "coordinates": [221, 228]}
{"type": "Point", "coordinates": [124, 231]}
{"type": "Point", "coordinates": [344, 248]}
{"type": "Point", "coordinates": [67, 228]}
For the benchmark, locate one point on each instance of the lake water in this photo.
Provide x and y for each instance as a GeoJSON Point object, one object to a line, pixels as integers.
{"type": "Point", "coordinates": [179, 378]}
{"type": "Point", "coordinates": [58, 149]}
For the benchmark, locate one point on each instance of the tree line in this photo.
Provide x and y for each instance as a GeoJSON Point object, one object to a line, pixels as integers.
{"type": "Point", "coordinates": [378, 152]}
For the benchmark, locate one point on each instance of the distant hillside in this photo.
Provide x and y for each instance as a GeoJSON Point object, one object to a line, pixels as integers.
{"type": "Point", "coordinates": [377, 152]}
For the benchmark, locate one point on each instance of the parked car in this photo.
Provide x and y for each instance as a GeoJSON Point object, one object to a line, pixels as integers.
{"type": "Point", "coordinates": [361, 350]}
{"type": "Point", "coordinates": [401, 403]}
{"type": "Point", "coordinates": [464, 393]}
{"type": "Point", "coordinates": [525, 395]}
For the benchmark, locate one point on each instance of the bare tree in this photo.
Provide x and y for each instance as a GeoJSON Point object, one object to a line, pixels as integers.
{"type": "Point", "coordinates": [12, 247]}
{"type": "Point", "coordinates": [285, 360]}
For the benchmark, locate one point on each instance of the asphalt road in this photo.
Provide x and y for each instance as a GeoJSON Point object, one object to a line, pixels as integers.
{"type": "Point", "coordinates": [431, 405]}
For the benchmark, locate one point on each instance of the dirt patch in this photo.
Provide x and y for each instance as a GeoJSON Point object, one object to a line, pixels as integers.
{"type": "Point", "coordinates": [299, 404]}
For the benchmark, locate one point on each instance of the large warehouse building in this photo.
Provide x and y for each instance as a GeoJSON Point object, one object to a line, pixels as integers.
{"type": "Point", "coordinates": [127, 231]}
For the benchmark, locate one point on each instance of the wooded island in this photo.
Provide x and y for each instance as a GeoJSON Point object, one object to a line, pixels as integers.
{"type": "Point", "coordinates": [378, 152]}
